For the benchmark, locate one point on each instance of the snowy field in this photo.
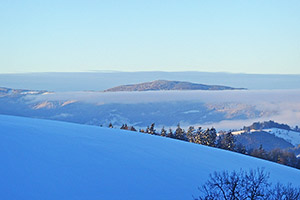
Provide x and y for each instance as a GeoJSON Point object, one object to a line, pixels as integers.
{"type": "Point", "coordinates": [43, 159]}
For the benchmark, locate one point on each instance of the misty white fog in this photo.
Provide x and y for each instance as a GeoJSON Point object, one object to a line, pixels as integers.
{"type": "Point", "coordinates": [279, 105]}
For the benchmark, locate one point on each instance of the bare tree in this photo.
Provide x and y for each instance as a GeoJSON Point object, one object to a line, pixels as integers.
{"type": "Point", "coordinates": [256, 184]}
{"type": "Point", "coordinates": [223, 185]}
{"type": "Point", "coordinates": [245, 185]}
{"type": "Point", "coordinates": [288, 192]}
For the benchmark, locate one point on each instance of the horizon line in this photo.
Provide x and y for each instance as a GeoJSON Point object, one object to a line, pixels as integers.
{"type": "Point", "coordinates": [146, 71]}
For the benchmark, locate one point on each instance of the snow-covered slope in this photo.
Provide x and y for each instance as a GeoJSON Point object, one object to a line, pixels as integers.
{"type": "Point", "coordinates": [291, 136]}
{"type": "Point", "coordinates": [43, 159]}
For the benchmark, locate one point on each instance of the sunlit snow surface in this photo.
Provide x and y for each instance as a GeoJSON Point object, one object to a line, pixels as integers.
{"type": "Point", "coordinates": [43, 159]}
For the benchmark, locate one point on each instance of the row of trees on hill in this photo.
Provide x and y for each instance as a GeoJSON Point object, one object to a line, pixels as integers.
{"type": "Point", "coordinates": [225, 140]}
{"type": "Point", "coordinates": [206, 137]}
{"type": "Point", "coordinates": [199, 136]}
{"type": "Point", "coordinates": [276, 155]}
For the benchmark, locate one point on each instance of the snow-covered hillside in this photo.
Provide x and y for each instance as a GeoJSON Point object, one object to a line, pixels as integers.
{"type": "Point", "coordinates": [292, 137]}
{"type": "Point", "coordinates": [43, 159]}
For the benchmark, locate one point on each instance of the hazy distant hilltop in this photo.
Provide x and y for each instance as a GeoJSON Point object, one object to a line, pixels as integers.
{"type": "Point", "coordinates": [169, 85]}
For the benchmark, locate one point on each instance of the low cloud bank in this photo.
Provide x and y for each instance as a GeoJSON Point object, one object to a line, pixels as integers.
{"type": "Point", "coordinates": [285, 103]}
{"type": "Point", "coordinates": [245, 96]}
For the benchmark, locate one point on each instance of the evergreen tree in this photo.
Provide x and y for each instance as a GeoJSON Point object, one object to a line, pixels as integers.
{"type": "Point", "coordinates": [163, 132]}
{"type": "Point", "coordinates": [170, 134]}
{"type": "Point", "coordinates": [124, 126]}
{"type": "Point", "coordinates": [179, 133]}
{"type": "Point", "coordinates": [259, 153]}
{"type": "Point", "coordinates": [152, 129]}
{"type": "Point", "coordinates": [147, 130]}
{"type": "Point", "coordinates": [190, 134]}
{"type": "Point", "coordinates": [211, 138]}
{"type": "Point", "coordinates": [226, 141]}
{"type": "Point", "coordinates": [198, 138]}
{"type": "Point", "coordinates": [205, 137]}
{"type": "Point", "coordinates": [240, 148]}
{"type": "Point", "coordinates": [132, 128]}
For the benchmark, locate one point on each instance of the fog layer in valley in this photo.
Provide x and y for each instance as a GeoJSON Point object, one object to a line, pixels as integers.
{"type": "Point", "coordinates": [279, 105]}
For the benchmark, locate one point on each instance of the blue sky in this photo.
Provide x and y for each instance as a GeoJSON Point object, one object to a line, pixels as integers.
{"type": "Point", "coordinates": [239, 36]}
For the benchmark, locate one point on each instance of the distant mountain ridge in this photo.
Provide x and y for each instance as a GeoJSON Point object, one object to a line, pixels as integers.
{"type": "Point", "coordinates": [169, 85]}
{"type": "Point", "coordinates": [82, 81]}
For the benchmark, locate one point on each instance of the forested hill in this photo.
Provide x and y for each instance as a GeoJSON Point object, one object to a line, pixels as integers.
{"type": "Point", "coordinates": [169, 85]}
{"type": "Point", "coordinates": [268, 125]}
